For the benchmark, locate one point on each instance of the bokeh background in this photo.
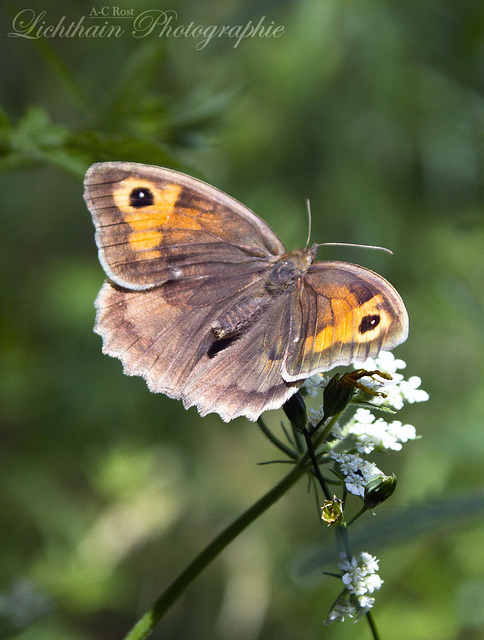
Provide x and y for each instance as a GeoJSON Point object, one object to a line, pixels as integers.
{"type": "Point", "coordinates": [374, 111]}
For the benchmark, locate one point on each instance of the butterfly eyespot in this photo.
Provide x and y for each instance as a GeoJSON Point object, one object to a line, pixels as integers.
{"type": "Point", "coordinates": [141, 197]}
{"type": "Point", "coordinates": [369, 323]}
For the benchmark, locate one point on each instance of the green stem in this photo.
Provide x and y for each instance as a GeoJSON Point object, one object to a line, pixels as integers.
{"type": "Point", "coordinates": [372, 625]}
{"type": "Point", "coordinates": [314, 460]}
{"type": "Point", "coordinates": [363, 510]}
{"type": "Point", "coordinates": [145, 625]}
{"type": "Point", "coordinates": [275, 440]}
{"type": "Point", "coordinates": [342, 535]}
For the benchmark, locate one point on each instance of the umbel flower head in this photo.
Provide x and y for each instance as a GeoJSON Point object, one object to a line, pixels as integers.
{"type": "Point", "coordinates": [360, 578]}
{"type": "Point", "coordinates": [397, 391]}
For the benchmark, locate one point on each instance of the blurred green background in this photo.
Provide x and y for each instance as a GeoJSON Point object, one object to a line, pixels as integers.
{"type": "Point", "coordinates": [374, 111]}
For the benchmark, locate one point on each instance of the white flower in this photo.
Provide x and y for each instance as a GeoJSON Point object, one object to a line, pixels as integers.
{"type": "Point", "coordinates": [373, 583]}
{"type": "Point", "coordinates": [341, 610]}
{"type": "Point", "coordinates": [360, 577]}
{"type": "Point", "coordinates": [356, 471]}
{"type": "Point", "coordinates": [397, 390]}
{"type": "Point", "coordinates": [312, 385]}
{"type": "Point", "coordinates": [363, 416]}
{"type": "Point", "coordinates": [370, 433]}
{"type": "Point", "coordinates": [337, 431]}
{"type": "Point", "coordinates": [384, 361]}
{"type": "Point", "coordinates": [348, 606]}
{"type": "Point", "coordinates": [392, 393]}
{"type": "Point", "coordinates": [411, 392]}
{"type": "Point", "coordinates": [315, 415]}
{"type": "Point", "coordinates": [370, 563]}
{"type": "Point", "coordinates": [366, 603]}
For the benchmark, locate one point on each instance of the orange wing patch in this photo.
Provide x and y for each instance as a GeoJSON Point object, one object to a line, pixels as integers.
{"type": "Point", "coordinates": [332, 333]}
{"type": "Point", "coordinates": [164, 199]}
{"type": "Point", "coordinates": [146, 241]}
{"type": "Point", "coordinates": [147, 223]}
{"type": "Point", "coordinates": [348, 315]}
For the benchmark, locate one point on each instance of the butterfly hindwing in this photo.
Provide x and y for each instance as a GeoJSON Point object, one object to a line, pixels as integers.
{"type": "Point", "coordinates": [173, 347]}
{"type": "Point", "coordinates": [343, 313]}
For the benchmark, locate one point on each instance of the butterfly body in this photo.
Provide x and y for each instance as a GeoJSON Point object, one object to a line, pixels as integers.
{"type": "Point", "coordinates": [205, 303]}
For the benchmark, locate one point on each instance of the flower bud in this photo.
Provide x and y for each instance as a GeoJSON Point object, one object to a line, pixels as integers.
{"type": "Point", "coordinates": [295, 410]}
{"type": "Point", "coordinates": [379, 489]}
{"type": "Point", "coordinates": [337, 394]}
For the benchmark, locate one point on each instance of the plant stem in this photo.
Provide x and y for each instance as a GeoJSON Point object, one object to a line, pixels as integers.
{"type": "Point", "coordinates": [363, 510]}
{"type": "Point", "coordinates": [145, 625]}
{"type": "Point", "coordinates": [316, 469]}
{"type": "Point", "coordinates": [275, 440]}
{"type": "Point", "coordinates": [372, 625]}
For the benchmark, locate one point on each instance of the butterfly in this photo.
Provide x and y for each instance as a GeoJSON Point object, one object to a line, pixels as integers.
{"type": "Point", "coordinates": [204, 301]}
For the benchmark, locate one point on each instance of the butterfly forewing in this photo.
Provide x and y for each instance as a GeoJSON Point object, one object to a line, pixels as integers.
{"type": "Point", "coordinates": [155, 225]}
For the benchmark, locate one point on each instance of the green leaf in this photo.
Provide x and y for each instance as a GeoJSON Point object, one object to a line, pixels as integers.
{"type": "Point", "coordinates": [396, 527]}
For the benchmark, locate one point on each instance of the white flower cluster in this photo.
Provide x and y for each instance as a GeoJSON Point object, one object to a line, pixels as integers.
{"type": "Point", "coordinates": [312, 385]}
{"type": "Point", "coordinates": [360, 575]}
{"type": "Point", "coordinates": [360, 578]}
{"type": "Point", "coordinates": [397, 390]}
{"type": "Point", "coordinates": [370, 433]}
{"type": "Point", "coordinates": [357, 472]}
{"type": "Point", "coordinates": [366, 433]}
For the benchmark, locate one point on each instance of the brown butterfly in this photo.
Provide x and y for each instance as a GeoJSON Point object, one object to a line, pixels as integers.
{"type": "Point", "coordinates": [203, 300]}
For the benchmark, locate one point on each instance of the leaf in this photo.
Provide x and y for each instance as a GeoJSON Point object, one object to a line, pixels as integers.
{"type": "Point", "coordinates": [396, 527]}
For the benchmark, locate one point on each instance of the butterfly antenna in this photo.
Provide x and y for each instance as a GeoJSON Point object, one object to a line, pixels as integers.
{"type": "Point", "coordinates": [308, 204]}
{"type": "Point", "coordinates": [340, 244]}
{"type": "Point", "coordinates": [350, 244]}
